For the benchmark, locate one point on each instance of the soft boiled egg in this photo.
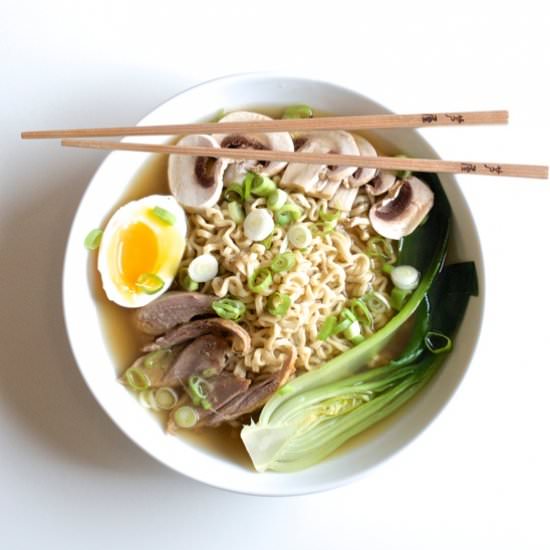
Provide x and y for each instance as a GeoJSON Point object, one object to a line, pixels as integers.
{"type": "Point", "coordinates": [141, 249]}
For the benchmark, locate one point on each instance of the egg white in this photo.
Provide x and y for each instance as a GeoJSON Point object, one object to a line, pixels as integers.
{"type": "Point", "coordinates": [170, 242]}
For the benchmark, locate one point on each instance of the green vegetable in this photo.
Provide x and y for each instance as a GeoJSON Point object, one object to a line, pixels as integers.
{"type": "Point", "coordinates": [233, 192]}
{"type": "Point", "coordinates": [402, 174]}
{"type": "Point", "coordinates": [278, 304]}
{"type": "Point", "coordinates": [235, 211]}
{"type": "Point", "coordinates": [149, 283]}
{"type": "Point", "coordinates": [137, 379]}
{"type": "Point", "coordinates": [328, 216]}
{"type": "Point", "coordinates": [260, 281]}
{"type": "Point", "coordinates": [327, 328]}
{"type": "Point", "coordinates": [163, 215]}
{"type": "Point", "coordinates": [93, 239]}
{"type": "Point", "coordinates": [398, 297]}
{"type": "Point", "coordinates": [188, 284]}
{"type": "Point", "coordinates": [267, 242]}
{"type": "Point", "coordinates": [283, 262]}
{"type": "Point", "coordinates": [298, 429]}
{"type": "Point", "coordinates": [277, 199]}
{"type": "Point", "coordinates": [186, 417]}
{"type": "Point", "coordinates": [425, 248]}
{"type": "Point", "coordinates": [228, 308]}
{"type": "Point", "coordinates": [262, 186]}
{"type": "Point", "coordinates": [298, 111]}
{"type": "Point", "coordinates": [247, 185]}
{"type": "Point", "coordinates": [166, 398]}
{"type": "Point", "coordinates": [324, 228]}
{"type": "Point", "coordinates": [196, 388]}
{"type": "Point", "coordinates": [437, 342]}
{"type": "Point", "coordinates": [287, 213]}
{"type": "Point", "coordinates": [160, 358]}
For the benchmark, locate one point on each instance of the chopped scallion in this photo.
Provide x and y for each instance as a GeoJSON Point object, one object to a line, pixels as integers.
{"type": "Point", "coordinates": [276, 199]}
{"type": "Point", "coordinates": [380, 247]}
{"type": "Point", "coordinates": [362, 312]}
{"type": "Point", "coordinates": [166, 398]}
{"type": "Point", "coordinates": [160, 358]}
{"type": "Point", "coordinates": [228, 308]}
{"type": "Point", "coordinates": [398, 297]}
{"type": "Point", "coordinates": [235, 211]}
{"type": "Point", "coordinates": [247, 185]}
{"type": "Point", "coordinates": [93, 239]}
{"type": "Point", "coordinates": [298, 111]}
{"type": "Point", "coordinates": [137, 379]}
{"type": "Point", "coordinates": [327, 327]}
{"type": "Point", "coordinates": [233, 192]}
{"type": "Point", "coordinates": [278, 304]}
{"type": "Point", "coordinates": [299, 235]}
{"type": "Point", "coordinates": [376, 302]}
{"type": "Point", "coordinates": [437, 342]}
{"type": "Point", "coordinates": [197, 392]}
{"type": "Point", "coordinates": [288, 213]}
{"type": "Point", "coordinates": [283, 262]}
{"type": "Point", "coordinates": [186, 417]}
{"type": "Point", "coordinates": [164, 216]}
{"type": "Point", "coordinates": [262, 186]}
{"type": "Point", "coordinates": [149, 283]}
{"type": "Point", "coordinates": [260, 281]}
{"type": "Point", "coordinates": [327, 216]}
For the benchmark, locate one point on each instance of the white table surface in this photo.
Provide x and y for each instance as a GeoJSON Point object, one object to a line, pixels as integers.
{"type": "Point", "coordinates": [478, 477]}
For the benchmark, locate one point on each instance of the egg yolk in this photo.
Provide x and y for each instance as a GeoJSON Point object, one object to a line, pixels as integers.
{"type": "Point", "coordinates": [137, 252]}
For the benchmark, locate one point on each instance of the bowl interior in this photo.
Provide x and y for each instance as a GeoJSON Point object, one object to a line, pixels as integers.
{"type": "Point", "coordinates": [98, 365]}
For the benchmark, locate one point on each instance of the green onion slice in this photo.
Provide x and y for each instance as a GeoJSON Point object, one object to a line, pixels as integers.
{"type": "Point", "coordinates": [149, 283]}
{"type": "Point", "coordinates": [93, 239]}
{"type": "Point", "coordinates": [283, 262]}
{"type": "Point", "coordinates": [235, 211]}
{"type": "Point", "coordinates": [189, 285]}
{"type": "Point", "coordinates": [166, 398]}
{"type": "Point", "coordinates": [276, 199]}
{"type": "Point", "coordinates": [137, 379]}
{"type": "Point", "coordinates": [186, 417]}
{"type": "Point", "coordinates": [387, 268]}
{"type": "Point", "coordinates": [160, 358]}
{"type": "Point", "coordinates": [324, 228]}
{"type": "Point", "coordinates": [260, 281]}
{"type": "Point", "coordinates": [247, 185]}
{"type": "Point", "coordinates": [262, 186]}
{"type": "Point", "coordinates": [298, 111]}
{"type": "Point", "coordinates": [437, 342]}
{"type": "Point", "coordinates": [278, 304]}
{"type": "Point", "coordinates": [228, 308]}
{"type": "Point", "coordinates": [376, 302]}
{"type": "Point", "coordinates": [267, 242]}
{"type": "Point", "coordinates": [327, 216]}
{"type": "Point", "coordinates": [233, 192]}
{"type": "Point", "coordinates": [196, 388]}
{"type": "Point", "coordinates": [287, 213]}
{"type": "Point", "coordinates": [327, 328]}
{"type": "Point", "coordinates": [343, 325]}
{"type": "Point", "coordinates": [163, 215]}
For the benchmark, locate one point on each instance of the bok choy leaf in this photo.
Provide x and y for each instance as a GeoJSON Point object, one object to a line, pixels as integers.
{"type": "Point", "coordinates": [316, 419]}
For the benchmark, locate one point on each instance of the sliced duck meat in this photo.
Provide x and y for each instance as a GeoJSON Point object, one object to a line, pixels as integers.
{"type": "Point", "coordinates": [206, 356]}
{"type": "Point", "coordinates": [217, 392]}
{"type": "Point", "coordinates": [239, 404]}
{"type": "Point", "coordinates": [171, 309]}
{"type": "Point", "coordinates": [199, 327]}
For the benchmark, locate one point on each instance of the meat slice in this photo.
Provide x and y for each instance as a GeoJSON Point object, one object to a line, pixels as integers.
{"type": "Point", "coordinates": [199, 327]}
{"type": "Point", "coordinates": [206, 353]}
{"type": "Point", "coordinates": [171, 309]}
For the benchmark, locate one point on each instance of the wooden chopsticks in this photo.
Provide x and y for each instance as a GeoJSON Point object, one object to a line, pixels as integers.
{"type": "Point", "coordinates": [331, 159]}
{"type": "Point", "coordinates": [360, 122]}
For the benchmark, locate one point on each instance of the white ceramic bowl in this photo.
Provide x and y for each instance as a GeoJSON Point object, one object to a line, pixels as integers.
{"type": "Point", "coordinates": [97, 364]}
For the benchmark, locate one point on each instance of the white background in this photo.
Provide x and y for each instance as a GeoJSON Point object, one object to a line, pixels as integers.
{"type": "Point", "coordinates": [478, 477]}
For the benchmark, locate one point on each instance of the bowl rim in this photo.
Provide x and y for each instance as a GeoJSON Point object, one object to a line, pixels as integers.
{"type": "Point", "coordinates": [345, 478]}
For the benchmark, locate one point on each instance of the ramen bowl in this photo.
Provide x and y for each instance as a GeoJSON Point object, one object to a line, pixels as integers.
{"type": "Point", "coordinates": [93, 336]}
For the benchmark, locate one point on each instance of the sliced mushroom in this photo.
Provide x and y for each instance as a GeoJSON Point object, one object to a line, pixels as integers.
{"type": "Point", "coordinates": [306, 177]}
{"type": "Point", "coordinates": [363, 175]}
{"type": "Point", "coordinates": [171, 309]}
{"type": "Point", "coordinates": [199, 327]}
{"type": "Point", "coordinates": [381, 184]}
{"type": "Point", "coordinates": [344, 198]}
{"type": "Point", "coordinates": [401, 213]}
{"type": "Point", "coordinates": [207, 355]}
{"type": "Point", "coordinates": [276, 141]}
{"type": "Point", "coordinates": [196, 182]}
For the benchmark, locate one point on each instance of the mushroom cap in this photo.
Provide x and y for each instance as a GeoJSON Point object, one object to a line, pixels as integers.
{"type": "Point", "coordinates": [275, 141]}
{"type": "Point", "coordinates": [400, 214]}
{"type": "Point", "coordinates": [189, 179]}
{"type": "Point", "coordinates": [335, 141]}
{"type": "Point", "coordinates": [306, 177]}
{"type": "Point", "coordinates": [363, 175]}
{"type": "Point", "coordinates": [381, 183]}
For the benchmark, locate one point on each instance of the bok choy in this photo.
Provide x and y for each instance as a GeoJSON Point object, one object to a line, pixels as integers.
{"type": "Point", "coordinates": [306, 422]}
